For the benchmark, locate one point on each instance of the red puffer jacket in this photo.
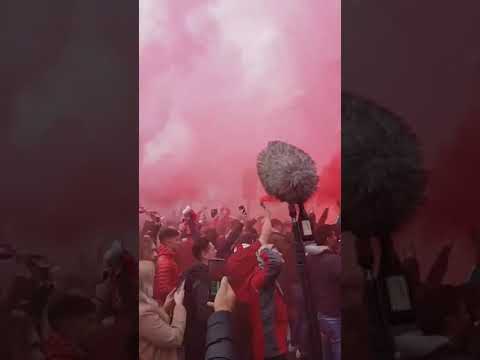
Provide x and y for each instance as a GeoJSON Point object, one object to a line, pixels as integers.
{"type": "Point", "coordinates": [166, 273]}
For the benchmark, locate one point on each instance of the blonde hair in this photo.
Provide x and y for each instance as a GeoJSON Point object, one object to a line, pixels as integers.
{"type": "Point", "coordinates": [146, 273]}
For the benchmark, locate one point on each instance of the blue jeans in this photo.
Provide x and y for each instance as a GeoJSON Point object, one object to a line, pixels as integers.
{"type": "Point", "coordinates": [331, 328]}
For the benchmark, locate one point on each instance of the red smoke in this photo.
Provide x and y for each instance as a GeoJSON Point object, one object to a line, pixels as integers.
{"type": "Point", "coordinates": [330, 183]}
{"type": "Point", "coordinates": [219, 79]}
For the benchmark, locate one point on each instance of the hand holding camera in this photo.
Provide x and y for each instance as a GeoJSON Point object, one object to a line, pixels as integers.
{"type": "Point", "coordinates": [225, 298]}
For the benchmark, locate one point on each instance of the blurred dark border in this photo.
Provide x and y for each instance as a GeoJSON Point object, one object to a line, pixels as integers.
{"type": "Point", "coordinates": [420, 60]}
{"type": "Point", "coordinates": [68, 134]}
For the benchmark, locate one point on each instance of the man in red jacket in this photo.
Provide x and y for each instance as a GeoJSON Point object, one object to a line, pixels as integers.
{"type": "Point", "coordinates": [166, 269]}
{"type": "Point", "coordinates": [268, 316]}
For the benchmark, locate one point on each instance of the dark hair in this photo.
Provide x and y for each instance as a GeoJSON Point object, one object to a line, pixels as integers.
{"type": "Point", "coordinates": [277, 238]}
{"type": "Point", "coordinates": [276, 223]}
{"type": "Point", "coordinates": [211, 235]}
{"type": "Point", "coordinates": [323, 232]}
{"type": "Point", "coordinates": [69, 307]}
{"type": "Point", "coordinates": [167, 233]}
{"type": "Point", "coordinates": [248, 238]}
{"type": "Point", "coordinates": [199, 246]}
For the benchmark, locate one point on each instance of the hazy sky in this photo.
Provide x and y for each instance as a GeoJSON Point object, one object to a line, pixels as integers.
{"type": "Point", "coordinates": [421, 59]}
{"type": "Point", "coordinates": [221, 78]}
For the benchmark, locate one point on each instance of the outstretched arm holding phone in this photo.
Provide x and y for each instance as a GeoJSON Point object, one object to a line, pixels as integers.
{"type": "Point", "coordinates": [219, 332]}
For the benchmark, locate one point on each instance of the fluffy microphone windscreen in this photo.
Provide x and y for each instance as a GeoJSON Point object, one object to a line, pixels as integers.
{"type": "Point", "coordinates": [287, 172]}
{"type": "Point", "coordinates": [383, 178]}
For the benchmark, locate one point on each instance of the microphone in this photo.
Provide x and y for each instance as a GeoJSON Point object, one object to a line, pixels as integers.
{"type": "Point", "coordinates": [383, 176]}
{"type": "Point", "coordinates": [287, 172]}
{"type": "Point", "coordinates": [383, 182]}
{"type": "Point", "coordinates": [290, 175]}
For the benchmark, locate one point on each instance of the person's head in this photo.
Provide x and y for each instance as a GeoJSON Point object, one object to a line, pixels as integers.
{"type": "Point", "coordinates": [326, 235]}
{"type": "Point", "coordinates": [146, 271]}
{"type": "Point", "coordinates": [281, 242]}
{"type": "Point", "coordinates": [73, 317]}
{"type": "Point", "coordinates": [277, 226]}
{"type": "Point", "coordinates": [203, 250]}
{"type": "Point", "coordinates": [236, 225]}
{"type": "Point", "coordinates": [211, 234]}
{"type": "Point", "coordinates": [169, 237]}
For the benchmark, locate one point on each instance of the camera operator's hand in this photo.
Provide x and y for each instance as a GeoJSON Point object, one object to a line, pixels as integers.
{"type": "Point", "coordinates": [225, 298]}
{"type": "Point", "coordinates": [179, 294]}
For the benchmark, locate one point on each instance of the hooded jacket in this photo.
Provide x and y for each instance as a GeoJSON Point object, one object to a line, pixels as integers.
{"type": "Point", "coordinates": [166, 273]}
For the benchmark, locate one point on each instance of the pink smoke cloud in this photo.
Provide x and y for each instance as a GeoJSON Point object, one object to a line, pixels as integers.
{"type": "Point", "coordinates": [219, 79]}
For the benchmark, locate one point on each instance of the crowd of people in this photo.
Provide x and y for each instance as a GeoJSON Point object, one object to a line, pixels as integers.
{"type": "Point", "coordinates": [178, 315]}
{"type": "Point", "coordinates": [227, 287]}
{"type": "Point", "coordinates": [42, 319]}
{"type": "Point", "coordinates": [446, 316]}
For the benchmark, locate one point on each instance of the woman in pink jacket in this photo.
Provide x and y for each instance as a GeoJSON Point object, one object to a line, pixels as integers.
{"type": "Point", "coordinates": [161, 336]}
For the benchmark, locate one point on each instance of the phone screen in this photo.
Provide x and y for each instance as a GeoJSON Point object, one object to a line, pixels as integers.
{"type": "Point", "coordinates": [216, 269]}
{"type": "Point", "coordinates": [214, 286]}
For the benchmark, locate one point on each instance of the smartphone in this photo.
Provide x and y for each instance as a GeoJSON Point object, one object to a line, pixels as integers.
{"type": "Point", "coordinates": [214, 286]}
{"type": "Point", "coordinates": [216, 270]}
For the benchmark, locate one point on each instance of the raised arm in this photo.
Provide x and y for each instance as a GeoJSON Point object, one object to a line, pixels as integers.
{"type": "Point", "coordinates": [266, 232]}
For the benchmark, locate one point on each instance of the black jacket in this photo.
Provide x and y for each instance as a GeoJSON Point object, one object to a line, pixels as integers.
{"type": "Point", "coordinates": [219, 343]}
{"type": "Point", "coordinates": [197, 291]}
{"type": "Point", "coordinates": [325, 269]}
